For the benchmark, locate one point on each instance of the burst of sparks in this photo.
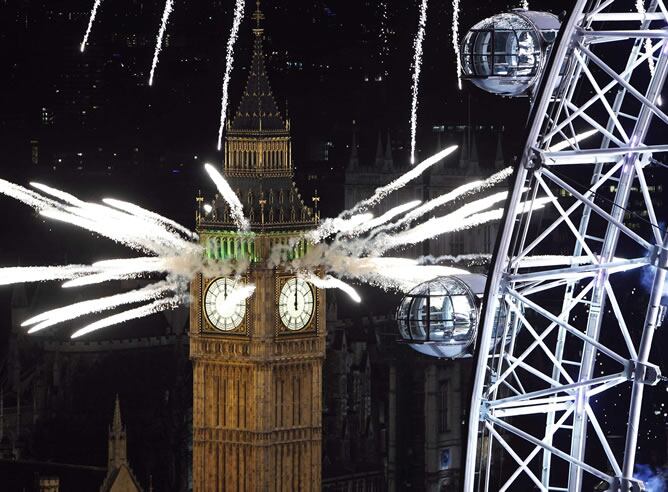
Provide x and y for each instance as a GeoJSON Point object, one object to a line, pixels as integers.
{"type": "Point", "coordinates": [383, 219]}
{"type": "Point", "coordinates": [571, 142]}
{"type": "Point", "coordinates": [73, 311]}
{"type": "Point", "coordinates": [640, 7]}
{"type": "Point", "coordinates": [335, 225]}
{"type": "Point", "coordinates": [400, 182]}
{"type": "Point", "coordinates": [229, 61]}
{"type": "Point", "coordinates": [139, 312]}
{"type": "Point", "coordinates": [455, 41]}
{"type": "Point", "coordinates": [356, 252]}
{"type": "Point", "coordinates": [93, 14]}
{"type": "Point", "coordinates": [441, 200]}
{"type": "Point", "coordinates": [236, 208]}
{"type": "Point", "coordinates": [329, 282]}
{"type": "Point", "coordinates": [169, 6]}
{"type": "Point", "coordinates": [417, 67]}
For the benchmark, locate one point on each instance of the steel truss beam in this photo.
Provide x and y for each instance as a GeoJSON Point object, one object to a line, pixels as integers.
{"type": "Point", "coordinates": [562, 318]}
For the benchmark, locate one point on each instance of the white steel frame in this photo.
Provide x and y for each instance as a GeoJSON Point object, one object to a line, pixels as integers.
{"type": "Point", "coordinates": [535, 375]}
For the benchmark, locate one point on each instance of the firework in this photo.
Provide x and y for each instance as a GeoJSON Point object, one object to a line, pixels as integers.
{"type": "Point", "coordinates": [169, 6]}
{"type": "Point", "coordinates": [229, 61]}
{"type": "Point", "coordinates": [73, 311]}
{"type": "Point", "coordinates": [329, 282]}
{"type": "Point", "coordinates": [236, 208]}
{"type": "Point", "coordinates": [93, 14]}
{"type": "Point", "coordinates": [140, 312]}
{"type": "Point", "coordinates": [459, 192]}
{"type": "Point", "coordinates": [417, 67]}
{"type": "Point", "coordinates": [571, 142]}
{"type": "Point", "coordinates": [400, 182]}
{"type": "Point", "coordinates": [455, 41]}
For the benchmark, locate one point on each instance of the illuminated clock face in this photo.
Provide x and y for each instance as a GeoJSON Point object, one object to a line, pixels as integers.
{"type": "Point", "coordinates": [296, 304]}
{"type": "Point", "coordinates": [224, 312]}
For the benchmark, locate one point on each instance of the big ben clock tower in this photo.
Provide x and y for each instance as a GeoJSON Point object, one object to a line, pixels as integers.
{"type": "Point", "coordinates": [257, 363]}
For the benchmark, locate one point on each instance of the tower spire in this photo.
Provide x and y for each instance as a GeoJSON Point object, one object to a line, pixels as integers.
{"type": "Point", "coordinates": [117, 425]}
{"type": "Point", "coordinates": [117, 439]}
{"type": "Point", "coordinates": [258, 16]}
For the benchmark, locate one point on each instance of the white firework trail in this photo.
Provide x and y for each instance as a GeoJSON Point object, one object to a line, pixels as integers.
{"type": "Point", "coordinates": [134, 231]}
{"type": "Point", "coordinates": [435, 260]}
{"type": "Point", "coordinates": [147, 214]}
{"type": "Point", "coordinates": [140, 312]}
{"type": "Point", "coordinates": [169, 6]}
{"type": "Point", "coordinates": [571, 142]}
{"type": "Point", "coordinates": [455, 41]}
{"type": "Point", "coordinates": [441, 200]}
{"type": "Point", "coordinates": [123, 269]}
{"type": "Point", "coordinates": [400, 182]}
{"type": "Point", "coordinates": [93, 14]}
{"type": "Point", "coordinates": [329, 282]}
{"type": "Point", "coordinates": [454, 222]}
{"type": "Point", "coordinates": [417, 67]}
{"type": "Point", "coordinates": [335, 225]}
{"type": "Point", "coordinates": [383, 219]}
{"type": "Point", "coordinates": [226, 192]}
{"type": "Point", "coordinates": [394, 273]}
{"type": "Point", "coordinates": [640, 8]}
{"type": "Point", "coordinates": [229, 61]}
{"type": "Point", "coordinates": [84, 308]}
{"type": "Point", "coordinates": [17, 275]}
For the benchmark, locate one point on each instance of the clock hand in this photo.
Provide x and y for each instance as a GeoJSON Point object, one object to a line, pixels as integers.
{"type": "Point", "coordinates": [295, 295]}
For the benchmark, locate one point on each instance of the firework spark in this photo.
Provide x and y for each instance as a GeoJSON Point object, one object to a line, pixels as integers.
{"type": "Point", "coordinates": [140, 312]}
{"type": "Point", "coordinates": [329, 282]}
{"type": "Point", "coordinates": [455, 41]}
{"type": "Point", "coordinates": [93, 14]}
{"type": "Point", "coordinates": [169, 6]}
{"type": "Point", "coordinates": [571, 142]}
{"type": "Point", "coordinates": [400, 182]}
{"type": "Point", "coordinates": [335, 225]}
{"type": "Point", "coordinates": [236, 208]}
{"type": "Point", "coordinates": [458, 193]}
{"type": "Point", "coordinates": [229, 61]}
{"type": "Point", "coordinates": [355, 254]}
{"type": "Point", "coordinates": [417, 67]}
{"type": "Point", "coordinates": [73, 311]}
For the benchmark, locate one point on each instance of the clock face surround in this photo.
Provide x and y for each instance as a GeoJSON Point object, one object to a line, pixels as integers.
{"type": "Point", "coordinates": [296, 304]}
{"type": "Point", "coordinates": [223, 314]}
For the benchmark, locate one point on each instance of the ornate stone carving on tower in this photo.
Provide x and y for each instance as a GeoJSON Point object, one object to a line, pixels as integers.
{"type": "Point", "coordinates": [257, 365]}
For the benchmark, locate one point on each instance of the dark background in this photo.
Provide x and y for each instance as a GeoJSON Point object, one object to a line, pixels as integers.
{"type": "Point", "coordinates": [100, 131]}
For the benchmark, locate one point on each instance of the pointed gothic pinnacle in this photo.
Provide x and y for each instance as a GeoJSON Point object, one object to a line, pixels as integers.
{"type": "Point", "coordinates": [117, 425]}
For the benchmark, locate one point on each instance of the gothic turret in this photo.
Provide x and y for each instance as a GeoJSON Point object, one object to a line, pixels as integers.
{"type": "Point", "coordinates": [499, 161]}
{"type": "Point", "coordinates": [388, 160]}
{"type": "Point", "coordinates": [380, 158]}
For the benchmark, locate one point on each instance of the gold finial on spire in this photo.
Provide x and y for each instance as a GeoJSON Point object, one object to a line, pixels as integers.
{"type": "Point", "coordinates": [258, 16]}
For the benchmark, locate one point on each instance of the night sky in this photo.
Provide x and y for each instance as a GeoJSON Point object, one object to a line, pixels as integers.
{"type": "Point", "coordinates": [100, 131]}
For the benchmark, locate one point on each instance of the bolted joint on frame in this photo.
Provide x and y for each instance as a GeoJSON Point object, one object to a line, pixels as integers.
{"type": "Point", "coordinates": [535, 161]}
{"type": "Point", "coordinates": [621, 484]}
{"type": "Point", "coordinates": [659, 257]}
{"type": "Point", "coordinates": [643, 372]}
{"type": "Point", "coordinates": [484, 411]}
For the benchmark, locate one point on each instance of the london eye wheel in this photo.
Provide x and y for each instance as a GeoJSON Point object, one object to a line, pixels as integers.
{"type": "Point", "coordinates": [558, 389]}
